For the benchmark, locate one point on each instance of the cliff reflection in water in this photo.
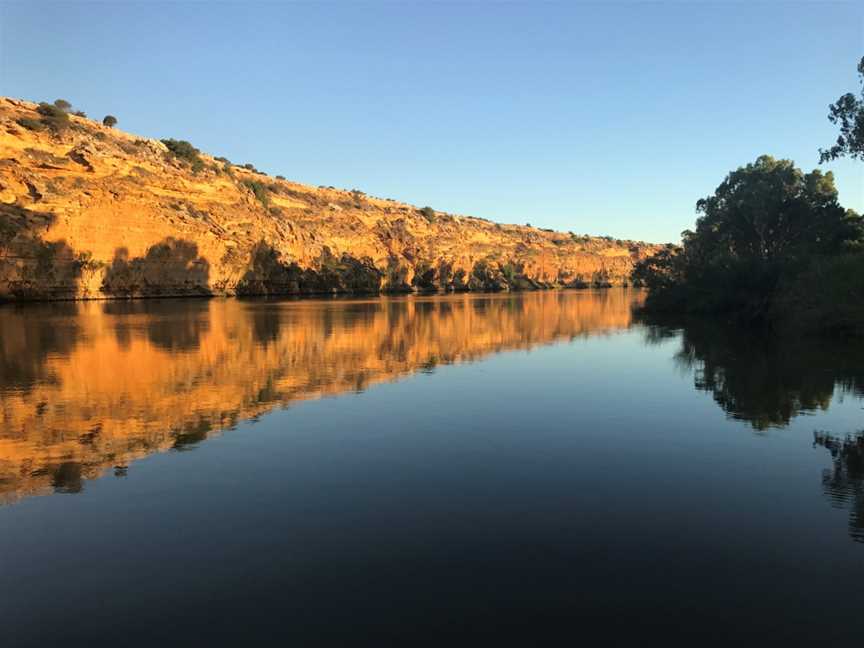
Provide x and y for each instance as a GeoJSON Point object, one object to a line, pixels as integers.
{"type": "Point", "coordinates": [89, 387]}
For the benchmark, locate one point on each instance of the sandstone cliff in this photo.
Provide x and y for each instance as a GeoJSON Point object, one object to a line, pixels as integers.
{"type": "Point", "coordinates": [88, 211]}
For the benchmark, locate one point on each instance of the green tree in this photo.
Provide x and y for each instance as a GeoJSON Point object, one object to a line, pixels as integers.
{"type": "Point", "coordinates": [763, 226]}
{"type": "Point", "coordinates": [110, 121]}
{"type": "Point", "coordinates": [53, 117]}
{"type": "Point", "coordinates": [428, 213]}
{"type": "Point", "coordinates": [661, 270]}
{"type": "Point", "coordinates": [181, 149]}
{"type": "Point", "coordinates": [259, 190]}
{"type": "Point", "coordinates": [768, 210]}
{"type": "Point", "coordinates": [30, 124]}
{"type": "Point", "coordinates": [848, 114]}
{"type": "Point", "coordinates": [63, 105]}
{"type": "Point", "coordinates": [185, 151]}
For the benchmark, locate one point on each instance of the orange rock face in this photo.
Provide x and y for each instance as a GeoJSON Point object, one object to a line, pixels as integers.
{"type": "Point", "coordinates": [93, 212]}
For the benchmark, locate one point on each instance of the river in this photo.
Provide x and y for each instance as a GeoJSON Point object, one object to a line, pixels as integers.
{"type": "Point", "coordinates": [423, 469]}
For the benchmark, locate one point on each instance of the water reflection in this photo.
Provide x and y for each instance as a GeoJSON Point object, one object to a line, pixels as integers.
{"type": "Point", "coordinates": [764, 379]}
{"type": "Point", "coordinates": [843, 483]}
{"type": "Point", "coordinates": [86, 388]}
{"type": "Point", "coordinates": [50, 329]}
{"type": "Point", "coordinates": [768, 380]}
{"type": "Point", "coordinates": [575, 486]}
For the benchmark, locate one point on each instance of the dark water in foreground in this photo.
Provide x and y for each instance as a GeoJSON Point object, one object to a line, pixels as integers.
{"type": "Point", "coordinates": [444, 470]}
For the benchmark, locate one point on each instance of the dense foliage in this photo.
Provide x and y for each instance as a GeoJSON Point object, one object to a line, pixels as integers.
{"type": "Point", "coordinates": [260, 190]}
{"type": "Point", "coordinates": [428, 213]}
{"type": "Point", "coordinates": [185, 151]}
{"type": "Point", "coordinates": [765, 229]}
{"type": "Point", "coordinates": [51, 117]}
{"type": "Point", "coordinates": [181, 149]}
{"type": "Point", "coordinates": [848, 113]}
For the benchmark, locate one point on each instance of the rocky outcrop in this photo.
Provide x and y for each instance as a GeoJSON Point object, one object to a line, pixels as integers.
{"type": "Point", "coordinates": [88, 211]}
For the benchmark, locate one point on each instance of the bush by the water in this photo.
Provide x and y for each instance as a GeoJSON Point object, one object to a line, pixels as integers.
{"type": "Point", "coordinates": [827, 296]}
{"type": "Point", "coordinates": [768, 236]}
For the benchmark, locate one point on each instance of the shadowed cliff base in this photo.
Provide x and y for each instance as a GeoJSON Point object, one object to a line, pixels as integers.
{"type": "Point", "coordinates": [35, 270]}
{"type": "Point", "coordinates": [98, 385]}
{"type": "Point", "coordinates": [32, 268]}
{"type": "Point", "coordinates": [171, 267]}
{"type": "Point", "coordinates": [269, 275]}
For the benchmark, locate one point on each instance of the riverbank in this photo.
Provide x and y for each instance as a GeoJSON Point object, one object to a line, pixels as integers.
{"type": "Point", "coordinates": [822, 296]}
{"type": "Point", "coordinates": [772, 247]}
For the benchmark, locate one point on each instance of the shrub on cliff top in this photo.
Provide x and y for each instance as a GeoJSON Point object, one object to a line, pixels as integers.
{"type": "Point", "coordinates": [182, 149]}
{"type": "Point", "coordinates": [63, 105]}
{"type": "Point", "coordinates": [185, 151]}
{"type": "Point", "coordinates": [53, 117]}
{"type": "Point", "coordinates": [31, 124]}
{"type": "Point", "coordinates": [110, 121]}
{"type": "Point", "coordinates": [428, 213]}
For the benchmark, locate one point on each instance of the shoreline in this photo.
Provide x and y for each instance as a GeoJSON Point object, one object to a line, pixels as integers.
{"type": "Point", "coordinates": [4, 302]}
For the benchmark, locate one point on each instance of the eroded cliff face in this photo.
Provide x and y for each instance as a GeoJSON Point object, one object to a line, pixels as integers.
{"type": "Point", "coordinates": [93, 212]}
{"type": "Point", "coordinates": [89, 387]}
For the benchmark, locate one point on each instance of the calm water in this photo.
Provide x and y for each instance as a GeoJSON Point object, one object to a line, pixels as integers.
{"type": "Point", "coordinates": [410, 470]}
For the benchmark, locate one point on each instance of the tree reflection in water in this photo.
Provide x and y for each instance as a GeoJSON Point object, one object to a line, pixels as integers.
{"type": "Point", "coordinates": [761, 378]}
{"type": "Point", "coordinates": [768, 380]}
{"type": "Point", "coordinates": [843, 483]}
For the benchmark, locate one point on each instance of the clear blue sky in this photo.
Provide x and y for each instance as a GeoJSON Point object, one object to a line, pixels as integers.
{"type": "Point", "coordinates": [602, 119]}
